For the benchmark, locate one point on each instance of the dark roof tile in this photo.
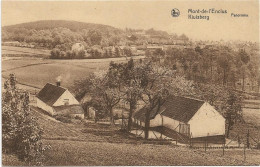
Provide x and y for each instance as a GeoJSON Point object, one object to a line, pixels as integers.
{"type": "Point", "coordinates": [175, 107]}
{"type": "Point", "coordinates": [50, 93]}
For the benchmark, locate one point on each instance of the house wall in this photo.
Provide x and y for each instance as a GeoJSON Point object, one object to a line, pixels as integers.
{"type": "Point", "coordinates": [44, 106]}
{"type": "Point", "coordinates": [157, 121]}
{"type": "Point", "coordinates": [207, 121]}
{"type": "Point", "coordinates": [171, 123]}
{"type": "Point", "coordinates": [66, 95]}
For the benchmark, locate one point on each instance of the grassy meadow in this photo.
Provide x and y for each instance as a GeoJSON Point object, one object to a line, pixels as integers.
{"type": "Point", "coordinates": [84, 143]}
{"type": "Point", "coordinates": [13, 50]}
{"type": "Point", "coordinates": [37, 72]}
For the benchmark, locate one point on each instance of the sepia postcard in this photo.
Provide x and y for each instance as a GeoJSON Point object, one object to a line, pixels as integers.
{"type": "Point", "coordinates": [130, 83]}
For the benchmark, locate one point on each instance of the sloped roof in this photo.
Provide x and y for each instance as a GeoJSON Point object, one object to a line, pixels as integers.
{"type": "Point", "coordinates": [50, 93]}
{"type": "Point", "coordinates": [140, 114]}
{"type": "Point", "coordinates": [175, 107]}
{"type": "Point", "coordinates": [69, 109]}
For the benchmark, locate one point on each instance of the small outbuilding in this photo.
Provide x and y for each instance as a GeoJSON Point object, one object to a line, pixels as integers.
{"type": "Point", "coordinates": [57, 100]}
{"type": "Point", "coordinates": [189, 117]}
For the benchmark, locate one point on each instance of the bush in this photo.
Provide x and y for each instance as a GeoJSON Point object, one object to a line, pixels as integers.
{"type": "Point", "coordinates": [258, 146]}
{"type": "Point", "coordinates": [63, 118]}
{"type": "Point", "coordinates": [21, 132]}
{"type": "Point", "coordinates": [78, 117]}
{"type": "Point", "coordinates": [55, 54]}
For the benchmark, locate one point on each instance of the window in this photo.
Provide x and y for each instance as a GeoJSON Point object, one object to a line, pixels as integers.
{"type": "Point", "coordinates": [66, 101]}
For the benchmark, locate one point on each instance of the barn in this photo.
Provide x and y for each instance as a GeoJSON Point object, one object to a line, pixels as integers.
{"type": "Point", "coordinates": [57, 100]}
{"type": "Point", "coordinates": [188, 117]}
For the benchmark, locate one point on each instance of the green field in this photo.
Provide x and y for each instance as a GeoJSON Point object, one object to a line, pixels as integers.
{"type": "Point", "coordinates": [22, 51]}
{"type": "Point", "coordinates": [77, 153]}
{"type": "Point", "coordinates": [37, 72]}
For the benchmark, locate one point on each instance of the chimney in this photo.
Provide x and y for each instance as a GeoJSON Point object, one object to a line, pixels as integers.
{"type": "Point", "coordinates": [58, 80]}
{"type": "Point", "coordinates": [58, 83]}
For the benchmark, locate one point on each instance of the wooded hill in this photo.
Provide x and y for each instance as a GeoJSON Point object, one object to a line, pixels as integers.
{"type": "Point", "coordinates": [51, 24]}
{"type": "Point", "coordinates": [62, 34]}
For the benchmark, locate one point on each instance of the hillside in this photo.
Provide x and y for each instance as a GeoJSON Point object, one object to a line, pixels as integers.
{"type": "Point", "coordinates": [51, 24]}
{"type": "Point", "coordinates": [86, 143]}
{"type": "Point", "coordinates": [62, 34]}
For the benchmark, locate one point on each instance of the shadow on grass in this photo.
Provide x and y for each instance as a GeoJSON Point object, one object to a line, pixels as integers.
{"type": "Point", "coordinates": [114, 134]}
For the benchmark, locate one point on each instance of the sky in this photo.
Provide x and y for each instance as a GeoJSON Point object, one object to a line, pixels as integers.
{"type": "Point", "coordinates": [144, 15]}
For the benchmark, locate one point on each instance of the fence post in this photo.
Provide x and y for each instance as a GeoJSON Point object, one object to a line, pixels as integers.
{"type": "Point", "coordinates": [122, 126]}
{"type": "Point", "coordinates": [162, 127]}
{"type": "Point", "coordinates": [205, 144]}
{"type": "Point", "coordinates": [224, 141]}
{"type": "Point", "coordinates": [190, 140]}
{"type": "Point", "coordinates": [247, 139]}
{"type": "Point", "coordinates": [244, 153]}
{"type": "Point", "coordinates": [176, 138]}
{"type": "Point", "coordinates": [136, 127]}
{"type": "Point", "coordinates": [238, 141]}
{"type": "Point", "coordinates": [207, 139]}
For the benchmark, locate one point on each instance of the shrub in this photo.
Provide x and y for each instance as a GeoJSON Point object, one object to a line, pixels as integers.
{"type": "Point", "coordinates": [21, 132]}
{"type": "Point", "coordinates": [258, 145]}
{"type": "Point", "coordinates": [63, 118]}
{"type": "Point", "coordinates": [55, 54]}
{"type": "Point", "coordinates": [78, 117]}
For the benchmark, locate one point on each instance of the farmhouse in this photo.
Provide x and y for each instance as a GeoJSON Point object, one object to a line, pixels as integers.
{"type": "Point", "coordinates": [57, 100]}
{"type": "Point", "coordinates": [189, 117]}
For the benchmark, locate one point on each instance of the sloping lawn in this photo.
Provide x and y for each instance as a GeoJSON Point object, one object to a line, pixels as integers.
{"type": "Point", "coordinates": [11, 160]}
{"type": "Point", "coordinates": [99, 144]}
{"type": "Point", "coordinates": [88, 144]}
{"type": "Point", "coordinates": [75, 153]}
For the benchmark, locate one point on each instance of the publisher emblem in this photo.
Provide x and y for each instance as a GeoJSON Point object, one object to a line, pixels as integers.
{"type": "Point", "coordinates": [175, 12]}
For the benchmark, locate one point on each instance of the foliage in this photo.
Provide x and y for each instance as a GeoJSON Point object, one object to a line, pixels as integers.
{"type": "Point", "coordinates": [216, 64]}
{"type": "Point", "coordinates": [104, 88]}
{"type": "Point", "coordinates": [233, 110]}
{"type": "Point", "coordinates": [158, 83]}
{"type": "Point", "coordinates": [21, 132]}
{"type": "Point", "coordinates": [130, 80]}
{"type": "Point", "coordinates": [227, 101]}
{"type": "Point", "coordinates": [58, 54]}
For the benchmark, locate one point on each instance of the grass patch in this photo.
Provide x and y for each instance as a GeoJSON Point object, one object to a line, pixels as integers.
{"type": "Point", "coordinates": [89, 144]}
{"type": "Point", "coordinates": [12, 50]}
{"type": "Point", "coordinates": [11, 160]}
{"type": "Point", "coordinates": [78, 153]}
{"type": "Point", "coordinates": [37, 72]}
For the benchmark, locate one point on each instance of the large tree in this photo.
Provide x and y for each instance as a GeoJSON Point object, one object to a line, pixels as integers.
{"type": "Point", "coordinates": [105, 89]}
{"type": "Point", "coordinates": [157, 84]}
{"type": "Point", "coordinates": [232, 109]}
{"type": "Point", "coordinates": [132, 91]}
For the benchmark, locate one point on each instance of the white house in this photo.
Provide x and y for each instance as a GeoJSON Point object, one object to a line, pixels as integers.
{"type": "Point", "coordinates": [77, 47]}
{"type": "Point", "coordinates": [57, 100]}
{"type": "Point", "coordinates": [190, 117]}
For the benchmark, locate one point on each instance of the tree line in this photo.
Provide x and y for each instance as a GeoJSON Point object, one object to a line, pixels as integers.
{"type": "Point", "coordinates": [93, 53]}
{"type": "Point", "coordinates": [213, 64]}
